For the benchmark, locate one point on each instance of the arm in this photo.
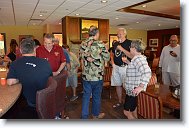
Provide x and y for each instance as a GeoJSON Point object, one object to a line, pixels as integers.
{"type": "Point", "coordinates": [145, 71]}
{"type": "Point", "coordinates": [12, 75]}
{"type": "Point", "coordinates": [63, 62]}
{"type": "Point", "coordinates": [104, 52]}
{"type": "Point", "coordinates": [161, 57]}
{"type": "Point", "coordinates": [176, 54]}
{"type": "Point", "coordinates": [12, 81]}
{"type": "Point", "coordinates": [112, 57]}
{"type": "Point", "coordinates": [127, 53]}
{"type": "Point", "coordinates": [62, 65]}
{"type": "Point", "coordinates": [85, 51]}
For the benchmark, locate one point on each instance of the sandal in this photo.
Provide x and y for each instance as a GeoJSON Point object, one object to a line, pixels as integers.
{"type": "Point", "coordinates": [117, 105]}
{"type": "Point", "coordinates": [66, 117]}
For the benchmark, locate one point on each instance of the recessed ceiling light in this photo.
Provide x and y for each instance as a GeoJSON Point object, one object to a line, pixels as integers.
{"type": "Point", "coordinates": [104, 1]}
{"type": "Point", "coordinates": [137, 22]}
{"type": "Point", "coordinates": [144, 6]}
{"type": "Point", "coordinates": [40, 15]}
{"type": "Point", "coordinates": [77, 14]}
{"type": "Point", "coordinates": [116, 18]}
{"type": "Point", "coordinates": [159, 24]}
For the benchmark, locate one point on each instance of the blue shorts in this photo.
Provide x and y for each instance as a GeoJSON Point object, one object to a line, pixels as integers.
{"type": "Point", "coordinates": [72, 81]}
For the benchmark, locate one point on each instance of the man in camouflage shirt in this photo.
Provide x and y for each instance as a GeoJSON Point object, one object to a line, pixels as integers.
{"type": "Point", "coordinates": [93, 54]}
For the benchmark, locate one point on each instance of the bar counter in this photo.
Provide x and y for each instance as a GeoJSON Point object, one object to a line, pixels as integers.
{"type": "Point", "coordinates": [8, 96]}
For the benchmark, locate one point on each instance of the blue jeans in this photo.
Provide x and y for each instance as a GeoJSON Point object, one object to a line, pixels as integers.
{"type": "Point", "coordinates": [94, 88]}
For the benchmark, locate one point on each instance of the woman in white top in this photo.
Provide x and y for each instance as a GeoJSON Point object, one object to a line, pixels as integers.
{"type": "Point", "coordinates": [138, 74]}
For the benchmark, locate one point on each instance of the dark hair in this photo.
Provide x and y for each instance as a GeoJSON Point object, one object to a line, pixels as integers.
{"type": "Point", "coordinates": [65, 46]}
{"type": "Point", "coordinates": [13, 45]}
{"type": "Point", "coordinates": [93, 30]}
{"type": "Point", "coordinates": [27, 46]}
{"type": "Point", "coordinates": [37, 43]}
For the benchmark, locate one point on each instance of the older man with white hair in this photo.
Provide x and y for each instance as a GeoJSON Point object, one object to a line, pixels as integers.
{"type": "Point", "coordinates": [120, 49]}
{"type": "Point", "coordinates": [170, 62]}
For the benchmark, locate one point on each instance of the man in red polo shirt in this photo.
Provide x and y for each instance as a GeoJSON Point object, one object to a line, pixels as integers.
{"type": "Point", "coordinates": [52, 53]}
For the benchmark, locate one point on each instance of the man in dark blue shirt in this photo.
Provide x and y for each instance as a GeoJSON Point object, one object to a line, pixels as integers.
{"type": "Point", "coordinates": [30, 71]}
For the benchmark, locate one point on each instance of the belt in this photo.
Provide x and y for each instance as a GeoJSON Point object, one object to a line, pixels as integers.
{"type": "Point", "coordinates": [123, 65]}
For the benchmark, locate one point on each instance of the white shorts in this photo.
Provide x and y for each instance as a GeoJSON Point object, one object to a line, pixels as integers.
{"type": "Point", "coordinates": [118, 75]}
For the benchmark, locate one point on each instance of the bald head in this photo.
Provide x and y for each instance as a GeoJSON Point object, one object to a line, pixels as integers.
{"type": "Point", "coordinates": [173, 40]}
{"type": "Point", "coordinates": [121, 34]}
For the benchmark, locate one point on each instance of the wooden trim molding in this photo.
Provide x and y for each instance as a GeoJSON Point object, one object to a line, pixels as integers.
{"type": "Point", "coordinates": [137, 11]}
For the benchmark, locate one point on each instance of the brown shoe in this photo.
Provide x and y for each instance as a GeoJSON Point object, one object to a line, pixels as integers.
{"type": "Point", "coordinates": [100, 116]}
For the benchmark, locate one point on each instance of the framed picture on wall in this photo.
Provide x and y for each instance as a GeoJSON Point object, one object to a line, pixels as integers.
{"type": "Point", "coordinates": [2, 44]}
{"type": "Point", "coordinates": [153, 42]}
{"type": "Point", "coordinates": [112, 37]}
{"type": "Point", "coordinates": [59, 37]}
{"type": "Point", "coordinates": [85, 25]}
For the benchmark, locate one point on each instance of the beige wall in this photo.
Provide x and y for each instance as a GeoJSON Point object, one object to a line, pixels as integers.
{"type": "Point", "coordinates": [13, 32]}
{"type": "Point", "coordinates": [49, 28]}
{"type": "Point", "coordinates": [133, 34]}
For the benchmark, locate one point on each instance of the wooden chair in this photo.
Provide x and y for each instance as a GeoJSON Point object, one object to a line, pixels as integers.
{"type": "Point", "coordinates": [107, 79]}
{"type": "Point", "coordinates": [149, 106]}
{"type": "Point", "coordinates": [45, 100]}
{"type": "Point", "coordinates": [153, 80]}
{"type": "Point", "coordinates": [60, 97]}
{"type": "Point", "coordinates": [155, 64]}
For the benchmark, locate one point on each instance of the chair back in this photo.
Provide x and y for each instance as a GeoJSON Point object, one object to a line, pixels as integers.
{"type": "Point", "coordinates": [45, 100]}
{"type": "Point", "coordinates": [149, 106]}
{"type": "Point", "coordinates": [153, 80]}
{"type": "Point", "coordinates": [107, 74]}
{"type": "Point", "coordinates": [61, 91]}
{"type": "Point", "coordinates": [155, 64]}
{"type": "Point", "coordinates": [107, 79]}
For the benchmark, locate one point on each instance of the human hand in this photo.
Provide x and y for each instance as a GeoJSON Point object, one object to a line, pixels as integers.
{"type": "Point", "coordinates": [90, 43]}
{"type": "Point", "coordinates": [137, 90]}
{"type": "Point", "coordinates": [173, 54]}
{"type": "Point", "coordinates": [90, 59]}
{"type": "Point", "coordinates": [124, 59]}
{"type": "Point", "coordinates": [119, 47]}
{"type": "Point", "coordinates": [55, 73]}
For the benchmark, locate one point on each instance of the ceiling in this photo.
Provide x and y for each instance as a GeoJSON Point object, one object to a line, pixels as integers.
{"type": "Point", "coordinates": [26, 12]}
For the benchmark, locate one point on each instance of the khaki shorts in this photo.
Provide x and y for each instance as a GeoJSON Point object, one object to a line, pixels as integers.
{"type": "Point", "coordinates": [118, 75]}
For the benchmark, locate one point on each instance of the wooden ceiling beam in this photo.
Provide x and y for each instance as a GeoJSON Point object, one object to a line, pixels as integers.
{"type": "Point", "coordinates": [137, 11]}
{"type": "Point", "coordinates": [150, 13]}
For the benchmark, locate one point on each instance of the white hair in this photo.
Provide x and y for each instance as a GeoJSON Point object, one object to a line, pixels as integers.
{"type": "Point", "coordinates": [123, 29]}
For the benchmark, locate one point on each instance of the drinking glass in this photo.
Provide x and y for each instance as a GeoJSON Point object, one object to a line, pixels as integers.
{"type": "Point", "coordinates": [156, 88]}
{"type": "Point", "coordinates": [124, 58]}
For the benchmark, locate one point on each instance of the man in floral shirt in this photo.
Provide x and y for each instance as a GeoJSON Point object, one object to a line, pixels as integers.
{"type": "Point", "coordinates": [93, 54]}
